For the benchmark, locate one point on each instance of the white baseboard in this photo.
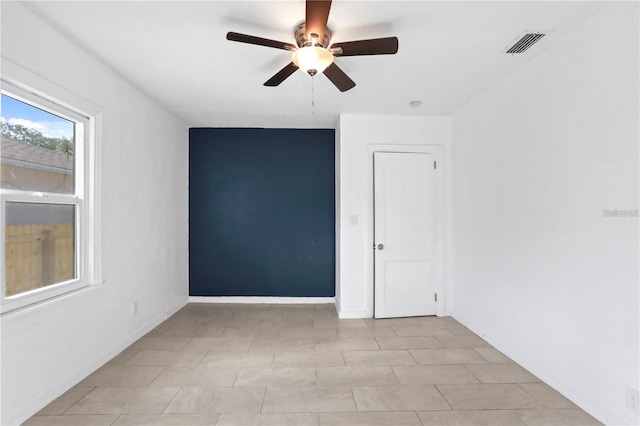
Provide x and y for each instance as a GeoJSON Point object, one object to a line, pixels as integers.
{"type": "Point", "coordinates": [262, 299]}
{"type": "Point", "coordinates": [353, 314]}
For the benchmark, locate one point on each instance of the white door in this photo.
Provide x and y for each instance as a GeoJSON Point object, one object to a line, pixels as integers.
{"type": "Point", "coordinates": [404, 234]}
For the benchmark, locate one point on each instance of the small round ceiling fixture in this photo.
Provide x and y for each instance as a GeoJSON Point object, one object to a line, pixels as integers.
{"type": "Point", "coordinates": [415, 104]}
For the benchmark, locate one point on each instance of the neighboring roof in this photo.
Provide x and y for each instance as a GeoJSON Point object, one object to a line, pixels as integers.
{"type": "Point", "coordinates": [26, 155]}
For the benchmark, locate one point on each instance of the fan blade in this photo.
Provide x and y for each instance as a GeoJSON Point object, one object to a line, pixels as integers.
{"type": "Point", "coordinates": [281, 75]}
{"type": "Point", "coordinates": [244, 38]}
{"type": "Point", "coordinates": [339, 78]}
{"type": "Point", "coordinates": [317, 15]}
{"type": "Point", "coordinates": [374, 46]}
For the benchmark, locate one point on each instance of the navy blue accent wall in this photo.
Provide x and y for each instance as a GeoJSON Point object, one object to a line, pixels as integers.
{"type": "Point", "coordinates": [261, 212]}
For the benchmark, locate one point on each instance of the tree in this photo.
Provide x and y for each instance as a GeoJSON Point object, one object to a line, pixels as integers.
{"type": "Point", "coordinates": [33, 137]}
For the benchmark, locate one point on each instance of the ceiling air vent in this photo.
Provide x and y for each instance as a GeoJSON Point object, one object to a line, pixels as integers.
{"type": "Point", "coordinates": [525, 43]}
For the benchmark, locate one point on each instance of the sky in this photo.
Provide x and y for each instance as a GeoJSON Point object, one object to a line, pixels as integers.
{"type": "Point", "coordinates": [15, 112]}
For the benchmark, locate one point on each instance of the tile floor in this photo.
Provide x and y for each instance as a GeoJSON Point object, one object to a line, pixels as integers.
{"type": "Point", "coordinates": [229, 364]}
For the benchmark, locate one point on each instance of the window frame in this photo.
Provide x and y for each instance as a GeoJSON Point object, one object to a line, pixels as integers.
{"type": "Point", "coordinates": [24, 86]}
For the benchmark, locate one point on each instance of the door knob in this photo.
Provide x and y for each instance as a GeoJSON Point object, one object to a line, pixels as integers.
{"type": "Point", "coordinates": [380, 246]}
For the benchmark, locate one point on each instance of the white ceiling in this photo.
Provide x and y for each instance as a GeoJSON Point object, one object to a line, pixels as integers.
{"type": "Point", "coordinates": [176, 52]}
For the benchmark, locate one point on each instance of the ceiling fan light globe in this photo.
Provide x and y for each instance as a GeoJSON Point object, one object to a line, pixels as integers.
{"type": "Point", "coordinates": [312, 59]}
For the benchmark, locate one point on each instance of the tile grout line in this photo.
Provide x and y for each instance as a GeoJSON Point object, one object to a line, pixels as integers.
{"type": "Point", "coordinates": [237, 377]}
{"type": "Point", "coordinates": [471, 372]}
{"type": "Point", "coordinates": [75, 403]}
{"type": "Point", "coordinates": [488, 362]}
{"type": "Point", "coordinates": [172, 399]}
{"type": "Point", "coordinates": [264, 397]}
{"type": "Point", "coordinates": [355, 401]}
{"type": "Point", "coordinates": [540, 402]}
{"type": "Point", "coordinates": [158, 375]}
{"type": "Point", "coordinates": [443, 397]}
{"type": "Point", "coordinates": [413, 357]}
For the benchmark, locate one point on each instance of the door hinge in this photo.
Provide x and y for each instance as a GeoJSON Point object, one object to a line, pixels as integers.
{"type": "Point", "coordinates": [434, 165]}
{"type": "Point", "coordinates": [436, 297]}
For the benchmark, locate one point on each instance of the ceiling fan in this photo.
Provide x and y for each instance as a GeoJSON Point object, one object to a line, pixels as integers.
{"type": "Point", "coordinates": [313, 54]}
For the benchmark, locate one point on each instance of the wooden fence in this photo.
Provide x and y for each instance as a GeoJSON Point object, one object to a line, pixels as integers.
{"type": "Point", "coordinates": [38, 255]}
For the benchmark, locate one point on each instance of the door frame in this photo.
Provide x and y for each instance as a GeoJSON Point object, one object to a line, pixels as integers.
{"type": "Point", "coordinates": [439, 285]}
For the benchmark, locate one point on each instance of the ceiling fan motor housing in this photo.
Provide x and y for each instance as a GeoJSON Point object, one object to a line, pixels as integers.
{"type": "Point", "coordinates": [302, 40]}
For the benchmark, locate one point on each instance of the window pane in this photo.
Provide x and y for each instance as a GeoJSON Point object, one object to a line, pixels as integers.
{"type": "Point", "coordinates": [39, 246]}
{"type": "Point", "coordinates": [37, 149]}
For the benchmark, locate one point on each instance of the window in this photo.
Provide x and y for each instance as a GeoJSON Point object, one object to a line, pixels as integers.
{"type": "Point", "coordinates": [47, 205]}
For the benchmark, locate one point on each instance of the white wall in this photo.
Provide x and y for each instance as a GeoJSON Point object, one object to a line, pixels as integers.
{"type": "Point", "coordinates": [356, 137]}
{"type": "Point", "coordinates": [144, 161]}
{"type": "Point", "coordinates": [538, 271]}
